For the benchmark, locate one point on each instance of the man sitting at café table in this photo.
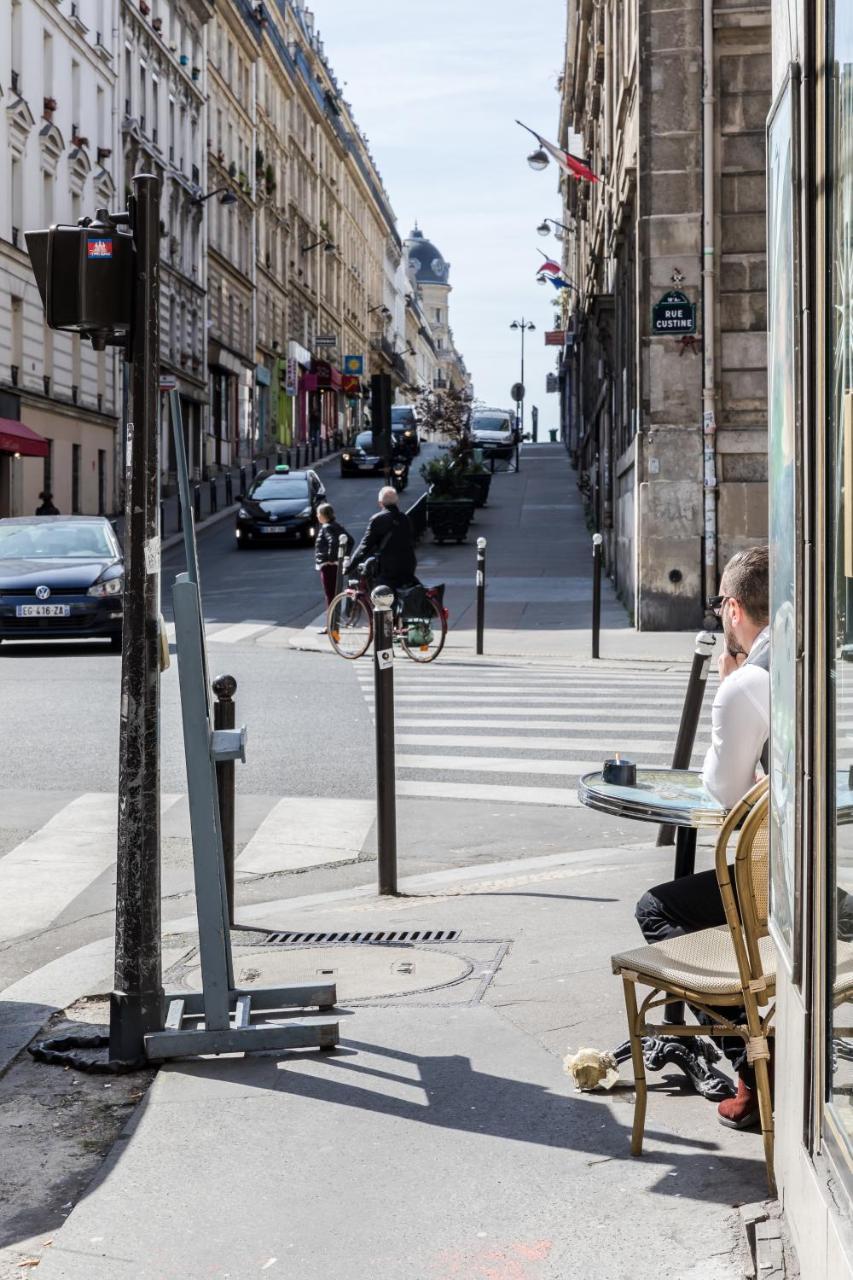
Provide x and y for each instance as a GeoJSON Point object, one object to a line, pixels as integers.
{"type": "Point", "coordinates": [740, 724]}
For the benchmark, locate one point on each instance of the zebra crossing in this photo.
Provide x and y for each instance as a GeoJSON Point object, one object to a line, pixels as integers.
{"type": "Point", "coordinates": [459, 728]}
{"type": "Point", "coordinates": [260, 631]}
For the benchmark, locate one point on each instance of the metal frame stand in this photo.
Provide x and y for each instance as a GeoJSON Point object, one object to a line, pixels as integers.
{"type": "Point", "coordinates": [219, 1018]}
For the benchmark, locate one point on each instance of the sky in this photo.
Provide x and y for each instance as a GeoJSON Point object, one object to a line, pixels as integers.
{"type": "Point", "coordinates": [436, 86]}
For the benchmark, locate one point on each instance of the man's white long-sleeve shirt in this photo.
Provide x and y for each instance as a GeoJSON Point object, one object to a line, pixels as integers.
{"type": "Point", "coordinates": [740, 725]}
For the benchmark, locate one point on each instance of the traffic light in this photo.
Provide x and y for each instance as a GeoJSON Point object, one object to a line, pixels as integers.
{"type": "Point", "coordinates": [85, 276]}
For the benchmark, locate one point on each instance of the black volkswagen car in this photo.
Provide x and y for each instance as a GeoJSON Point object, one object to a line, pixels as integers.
{"type": "Point", "coordinates": [281, 506]}
{"type": "Point", "coordinates": [61, 577]}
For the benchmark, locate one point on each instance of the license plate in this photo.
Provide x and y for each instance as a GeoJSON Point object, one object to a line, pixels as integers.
{"type": "Point", "coordinates": [367, 466]}
{"type": "Point", "coordinates": [43, 611]}
{"type": "Point", "coordinates": [282, 528]}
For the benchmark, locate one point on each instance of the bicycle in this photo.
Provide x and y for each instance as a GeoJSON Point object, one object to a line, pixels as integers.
{"type": "Point", "coordinates": [349, 621]}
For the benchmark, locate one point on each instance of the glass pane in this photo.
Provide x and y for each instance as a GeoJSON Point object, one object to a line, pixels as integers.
{"type": "Point", "coordinates": [839, 1067]}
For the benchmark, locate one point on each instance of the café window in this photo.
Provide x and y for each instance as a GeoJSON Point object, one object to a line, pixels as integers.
{"type": "Point", "coordinates": [838, 1046]}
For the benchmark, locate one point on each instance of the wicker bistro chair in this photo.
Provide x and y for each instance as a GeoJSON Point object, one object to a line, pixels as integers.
{"type": "Point", "coordinates": [732, 965]}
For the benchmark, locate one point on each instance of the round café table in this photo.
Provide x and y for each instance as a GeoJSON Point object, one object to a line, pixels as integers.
{"type": "Point", "coordinates": [663, 796]}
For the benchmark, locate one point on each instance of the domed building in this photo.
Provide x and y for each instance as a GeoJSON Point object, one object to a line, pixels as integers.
{"type": "Point", "coordinates": [430, 275]}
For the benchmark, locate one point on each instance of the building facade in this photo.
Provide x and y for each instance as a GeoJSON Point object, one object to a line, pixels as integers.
{"type": "Point", "coordinates": [665, 362]}
{"type": "Point", "coordinates": [59, 142]}
{"type": "Point", "coordinates": [431, 278]}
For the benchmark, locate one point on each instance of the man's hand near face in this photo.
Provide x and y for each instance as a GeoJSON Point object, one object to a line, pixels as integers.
{"type": "Point", "coordinates": [728, 662]}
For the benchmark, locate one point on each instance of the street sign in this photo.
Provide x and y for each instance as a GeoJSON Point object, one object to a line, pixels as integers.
{"type": "Point", "coordinates": [551, 382]}
{"type": "Point", "coordinates": [554, 337]}
{"type": "Point", "coordinates": [291, 377]}
{"type": "Point", "coordinates": [354, 365]}
{"type": "Point", "coordinates": [168, 382]}
{"type": "Point", "coordinates": [326, 340]}
{"type": "Point", "coordinates": [517, 392]}
{"type": "Point", "coordinates": [675, 313]}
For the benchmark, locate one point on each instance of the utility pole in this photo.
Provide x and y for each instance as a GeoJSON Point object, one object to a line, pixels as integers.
{"type": "Point", "coordinates": [136, 1002]}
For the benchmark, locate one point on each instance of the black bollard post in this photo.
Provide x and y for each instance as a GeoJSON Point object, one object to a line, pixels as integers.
{"type": "Point", "coordinates": [287, 457]}
{"type": "Point", "coordinates": [481, 592]}
{"type": "Point", "coordinates": [229, 489]}
{"type": "Point", "coordinates": [224, 717]}
{"type": "Point", "coordinates": [694, 695]}
{"type": "Point", "coordinates": [214, 496]}
{"type": "Point", "coordinates": [596, 593]}
{"type": "Point", "coordinates": [244, 481]}
{"type": "Point", "coordinates": [383, 685]}
{"type": "Point", "coordinates": [162, 518]}
{"type": "Point", "coordinates": [254, 469]}
{"type": "Point", "coordinates": [197, 503]}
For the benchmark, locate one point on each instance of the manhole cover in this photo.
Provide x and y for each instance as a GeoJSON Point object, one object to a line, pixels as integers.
{"type": "Point", "coordinates": [360, 973]}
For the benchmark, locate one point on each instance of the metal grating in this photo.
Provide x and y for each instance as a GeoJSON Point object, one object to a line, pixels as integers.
{"type": "Point", "coordinates": [371, 936]}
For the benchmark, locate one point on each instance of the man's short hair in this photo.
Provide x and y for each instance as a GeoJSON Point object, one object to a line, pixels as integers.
{"type": "Point", "coordinates": [326, 509]}
{"type": "Point", "coordinates": [388, 496]}
{"type": "Point", "coordinates": [747, 579]}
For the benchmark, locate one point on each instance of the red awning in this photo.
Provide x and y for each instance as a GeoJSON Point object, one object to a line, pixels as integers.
{"type": "Point", "coordinates": [16, 438]}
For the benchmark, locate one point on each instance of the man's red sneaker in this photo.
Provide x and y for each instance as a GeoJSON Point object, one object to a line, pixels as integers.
{"type": "Point", "coordinates": [741, 1111]}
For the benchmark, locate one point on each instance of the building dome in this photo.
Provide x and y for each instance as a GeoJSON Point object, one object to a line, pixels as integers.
{"type": "Point", "coordinates": [425, 261]}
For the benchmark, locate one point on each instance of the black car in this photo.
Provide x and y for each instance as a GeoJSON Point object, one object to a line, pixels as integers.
{"type": "Point", "coordinates": [281, 506]}
{"type": "Point", "coordinates": [404, 425]}
{"type": "Point", "coordinates": [60, 577]}
{"type": "Point", "coordinates": [362, 458]}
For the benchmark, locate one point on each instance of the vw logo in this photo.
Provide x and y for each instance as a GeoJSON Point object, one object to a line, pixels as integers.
{"type": "Point", "coordinates": [42, 593]}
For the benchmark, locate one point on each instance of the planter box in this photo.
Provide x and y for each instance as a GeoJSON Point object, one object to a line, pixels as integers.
{"type": "Point", "coordinates": [477, 484]}
{"type": "Point", "coordinates": [450, 518]}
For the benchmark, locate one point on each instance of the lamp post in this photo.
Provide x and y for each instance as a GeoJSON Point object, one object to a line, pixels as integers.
{"type": "Point", "coordinates": [228, 196]}
{"type": "Point", "coordinates": [544, 228]}
{"type": "Point", "coordinates": [523, 325]}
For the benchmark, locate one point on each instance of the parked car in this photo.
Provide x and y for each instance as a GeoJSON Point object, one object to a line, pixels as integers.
{"type": "Point", "coordinates": [60, 577]}
{"type": "Point", "coordinates": [493, 431]}
{"type": "Point", "coordinates": [404, 425]}
{"type": "Point", "coordinates": [362, 459]}
{"type": "Point", "coordinates": [281, 506]}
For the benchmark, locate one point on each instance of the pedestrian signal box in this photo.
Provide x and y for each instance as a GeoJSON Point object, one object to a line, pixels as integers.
{"type": "Point", "coordinates": [85, 277]}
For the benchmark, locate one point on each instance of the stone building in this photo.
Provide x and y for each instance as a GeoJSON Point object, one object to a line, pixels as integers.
{"type": "Point", "coordinates": [665, 401]}
{"type": "Point", "coordinates": [162, 85]}
{"type": "Point", "coordinates": [431, 277]}
{"type": "Point", "coordinates": [59, 400]}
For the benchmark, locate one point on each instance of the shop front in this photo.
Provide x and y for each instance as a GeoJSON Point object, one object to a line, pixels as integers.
{"type": "Point", "coordinates": [810, 445]}
{"type": "Point", "coordinates": [319, 393]}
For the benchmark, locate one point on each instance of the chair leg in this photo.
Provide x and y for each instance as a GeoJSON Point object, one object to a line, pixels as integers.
{"type": "Point", "coordinates": [765, 1111]}
{"type": "Point", "coordinates": [639, 1068]}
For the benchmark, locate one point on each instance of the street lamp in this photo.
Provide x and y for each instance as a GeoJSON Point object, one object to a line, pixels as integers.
{"type": "Point", "coordinates": [544, 228]}
{"type": "Point", "coordinates": [523, 325]}
{"type": "Point", "coordinates": [538, 159]}
{"type": "Point", "coordinates": [227, 198]}
{"type": "Point", "coordinates": [328, 246]}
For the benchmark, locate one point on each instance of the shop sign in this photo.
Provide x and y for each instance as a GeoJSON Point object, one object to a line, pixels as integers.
{"type": "Point", "coordinates": [291, 377]}
{"type": "Point", "coordinates": [675, 313]}
{"type": "Point", "coordinates": [298, 353]}
{"type": "Point", "coordinates": [554, 337]}
{"type": "Point", "coordinates": [326, 340]}
{"type": "Point", "coordinates": [354, 365]}
{"type": "Point", "coordinates": [551, 382]}
{"type": "Point", "coordinates": [350, 384]}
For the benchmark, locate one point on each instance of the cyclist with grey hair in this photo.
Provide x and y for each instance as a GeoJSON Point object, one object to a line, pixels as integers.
{"type": "Point", "coordinates": [386, 553]}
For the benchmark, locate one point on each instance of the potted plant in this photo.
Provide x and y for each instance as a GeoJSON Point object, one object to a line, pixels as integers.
{"type": "Point", "coordinates": [446, 413]}
{"type": "Point", "coordinates": [449, 510]}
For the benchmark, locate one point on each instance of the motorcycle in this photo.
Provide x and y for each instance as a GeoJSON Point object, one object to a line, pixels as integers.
{"type": "Point", "coordinates": [399, 474]}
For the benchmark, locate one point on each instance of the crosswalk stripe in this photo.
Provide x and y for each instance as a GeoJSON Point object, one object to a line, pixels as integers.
{"type": "Point", "coordinates": [565, 798]}
{"type": "Point", "coordinates": [532, 743]}
{"type": "Point", "coordinates": [237, 632]}
{"type": "Point", "coordinates": [304, 831]}
{"type": "Point", "coordinates": [43, 874]}
{"type": "Point", "coordinates": [585, 715]}
{"type": "Point", "coordinates": [553, 726]}
{"type": "Point", "coordinates": [492, 764]}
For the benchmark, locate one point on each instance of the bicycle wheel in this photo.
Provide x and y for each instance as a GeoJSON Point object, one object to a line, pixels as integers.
{"type": "Point", "coordinates": [423, 640]}
{"type": "Point", "coordinates": [350, 625]}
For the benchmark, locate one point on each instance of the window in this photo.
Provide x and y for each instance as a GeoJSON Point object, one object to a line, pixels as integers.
{"type": "Point", "coordinates": [75, 479]}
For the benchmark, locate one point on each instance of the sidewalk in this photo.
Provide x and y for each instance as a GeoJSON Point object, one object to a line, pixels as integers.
{"type": "Point", "coordinates": [538, 577]}
{"type": "Point", "coordinates": [442, 1139]}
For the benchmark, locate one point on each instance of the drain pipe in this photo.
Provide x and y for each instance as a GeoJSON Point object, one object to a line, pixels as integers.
{"type": "Point", "coordinates": [709, 303]}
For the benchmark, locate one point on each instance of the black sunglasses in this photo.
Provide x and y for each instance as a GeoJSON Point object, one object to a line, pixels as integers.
{"type": "Point", "coordinates": [715, 604]}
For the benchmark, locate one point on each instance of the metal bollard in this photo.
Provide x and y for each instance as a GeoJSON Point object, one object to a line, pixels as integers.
{"type": "Point", "coordinates": [180, 515]}
{"type": "Point", "coordinates": [697, 682]}
{"type": "Point", "coordinates": [481, 592]}
{"type": "Point", "coordinates": [244, 481]}
{"type": "Point", "coordinates": [254, 469]}
{"type": "Point", "coordinates": [342, 555]}
{"type": "Point", "coordinates": [596, 593]}
{"type": "Point", "coordinates": [224, 717]}
{"type": "Point", "coordinates": [197, 503]}
{"type": "Point", "coordinates": [214, 496]}
{"type": "Point", "coordinates": [229, 489]}
{"type": "Point", "coordinates": [162, 518]}
{"type": "Point", "coordinates": [383, 686]}
{"type": "Point", "coordinates": [287, 457]}
{"type": "Point", "coordinates": [517, 456]}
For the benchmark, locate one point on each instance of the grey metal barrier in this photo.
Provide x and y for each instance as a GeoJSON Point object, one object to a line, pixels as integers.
{"type": "Point", "coordinates": [417, 514]}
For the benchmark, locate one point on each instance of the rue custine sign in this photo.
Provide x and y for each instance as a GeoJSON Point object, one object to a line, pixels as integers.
{"type": "Point", "coordinates": [675, 313]}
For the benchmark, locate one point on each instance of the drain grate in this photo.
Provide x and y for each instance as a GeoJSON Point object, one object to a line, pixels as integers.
{"type": "Point", "coordinates": [371, 936]}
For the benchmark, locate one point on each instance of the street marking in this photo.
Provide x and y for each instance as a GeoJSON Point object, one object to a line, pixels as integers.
{"type": "Point", "coordinates": [46, 872]}
{"type": "Point", "coordinates": [308, 831]}
{"type": "Point", "coordinates": [590, 715]}
{"type": "Point", "coordinates": [489, 791]}
{"type": "Point", "coordinates": [237, 632]}
{"type": "Point", "coordinates": [493, 764]}
{"type": "Point", "coordinates": [532, 743]}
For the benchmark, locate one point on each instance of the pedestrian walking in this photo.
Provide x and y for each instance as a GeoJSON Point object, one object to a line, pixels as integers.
{"type": "Point", "coordinates": [47, 508]}
{"type": "Point", "coordinates": [326, 550]}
